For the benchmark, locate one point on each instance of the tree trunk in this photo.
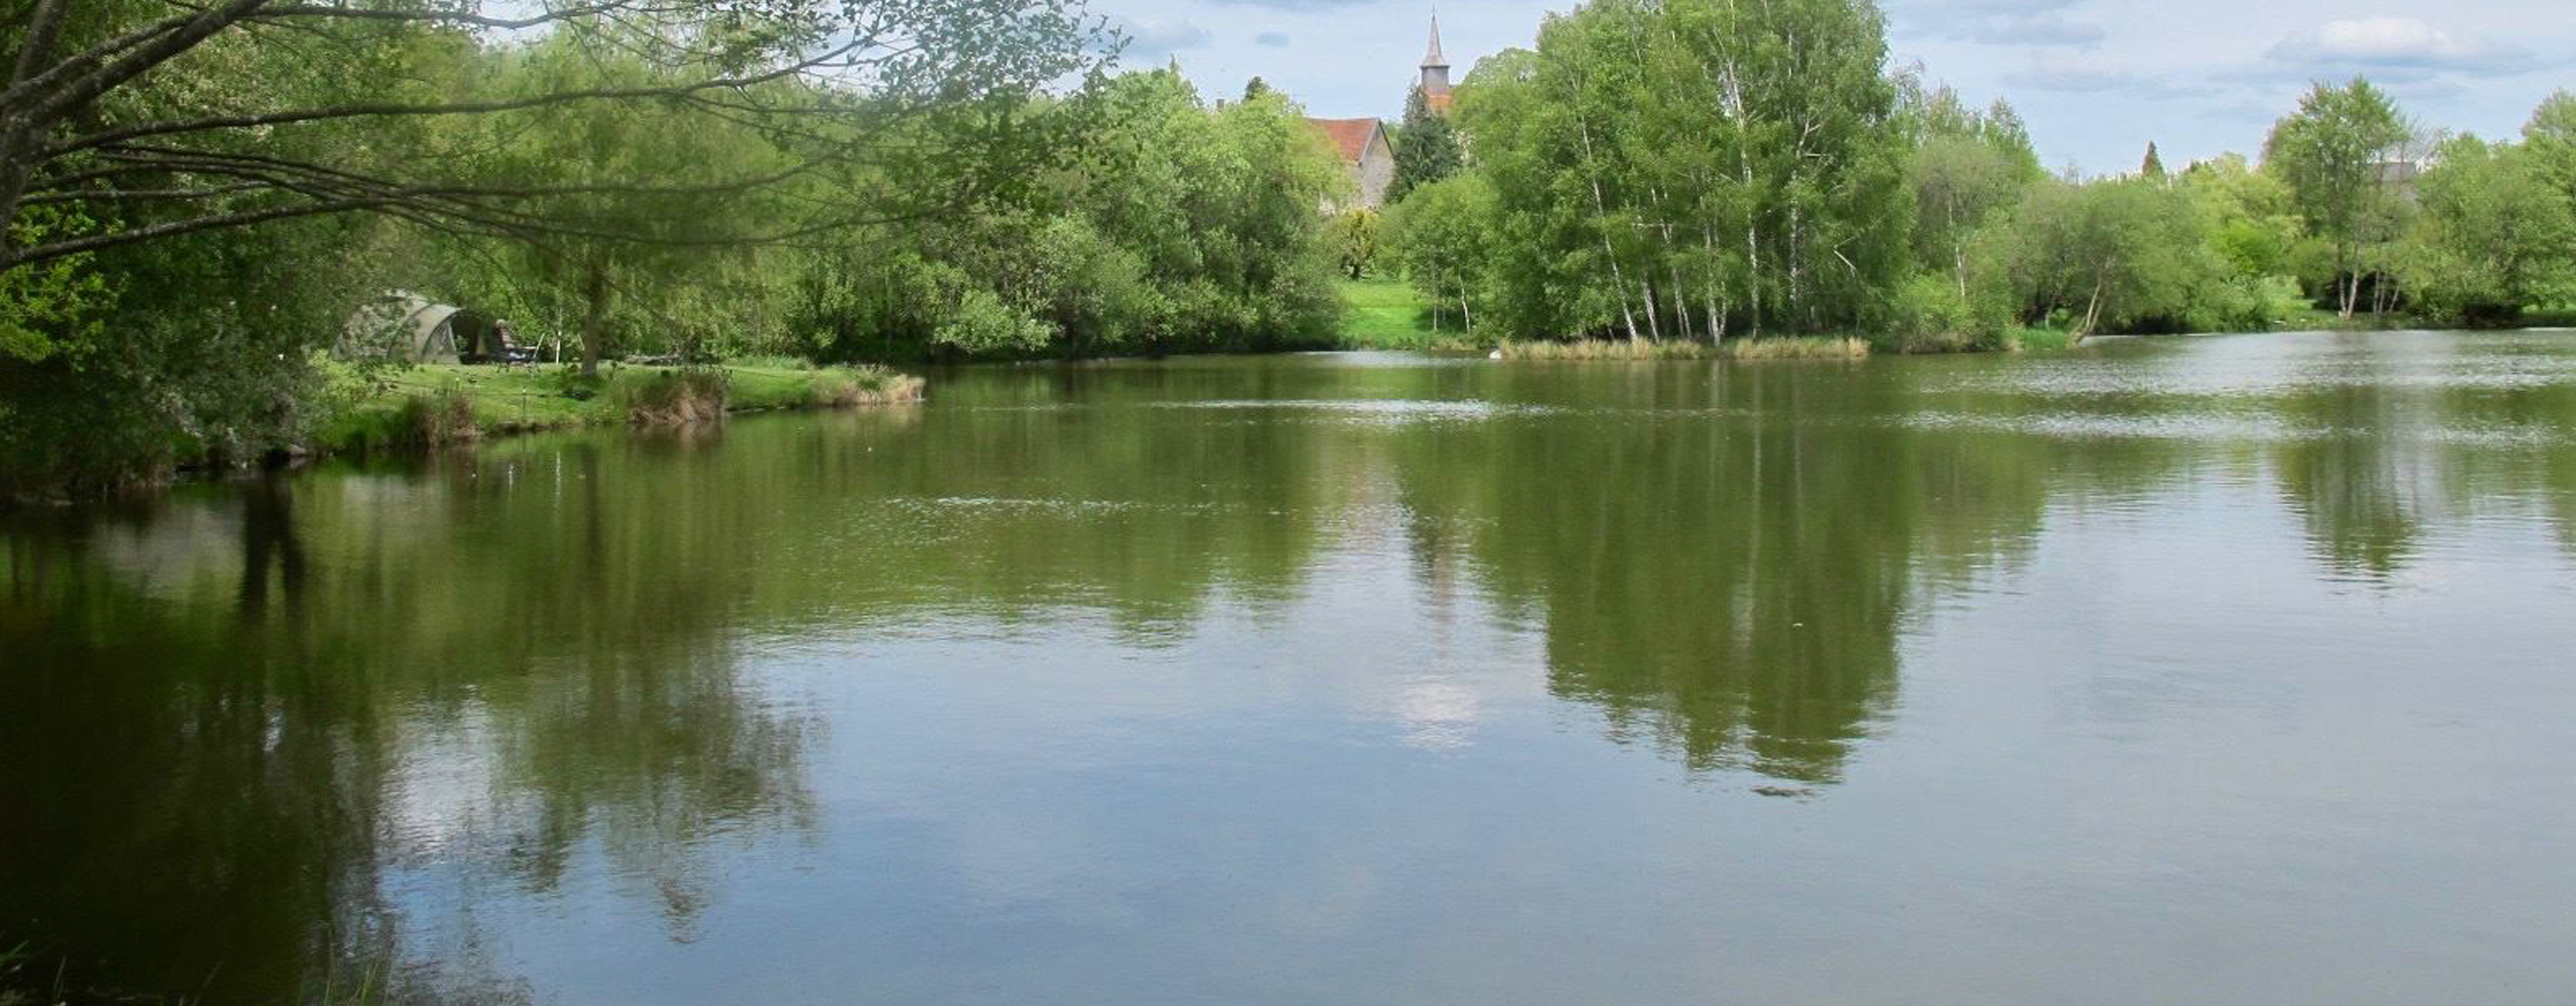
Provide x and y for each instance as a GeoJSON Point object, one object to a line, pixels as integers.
{"type": "Point", "coordinates": [2092, 311]}
{"type": "Point", "coordinates": [594, 315]}
{"type": "Point", "coordinates": [2348, 286]}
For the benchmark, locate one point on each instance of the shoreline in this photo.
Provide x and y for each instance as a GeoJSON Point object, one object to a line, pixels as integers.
{"type": "Point", "coordinates": [447, 404]}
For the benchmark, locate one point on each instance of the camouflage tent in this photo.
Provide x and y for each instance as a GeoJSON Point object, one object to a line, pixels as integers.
{"type": "Point", "coordinates": [407, 327]}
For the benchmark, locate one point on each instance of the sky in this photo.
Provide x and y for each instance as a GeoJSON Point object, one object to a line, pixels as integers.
{"type": "Point", "coordinates": [2096, 79]}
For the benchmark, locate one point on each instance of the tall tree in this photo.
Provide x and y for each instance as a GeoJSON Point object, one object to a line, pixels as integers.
{"type": "Point", "coordinates": [86, 113]}
{"type": "Point", "coordinates": [2154, 166]}
{"type": "Point", "coordinates": [1693, 169]}
{"type": "Point", "coordinates": [1426, 148]}
{"type": "Point", "coordinates": [2114, 254]}
{"type": "Point", "coordinates": [2334, 154]}
{"type": "Point", "coordinates": [1968, 166]}
{"type": "Point", "coordinates": [2495, 235]}
{"type": "Point", "coordinates": [1443, 238]}
{"type": "Point", "coordinates": [2551, 137]}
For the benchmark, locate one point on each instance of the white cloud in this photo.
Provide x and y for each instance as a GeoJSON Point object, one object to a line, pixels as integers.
{"type": "Point", "coordinates": [1999, 22]}
{"type": "Point", "coordinates": [1152, 40]}
{"type": "Point", "coordinates": [2035, 29]}
{"type": "Point", "coordinates": [1271, 39]}
{"type": "Point", "coordinates": [1295, 5]}
{"type": "Point", "coordinates": [2080, 76]}
{"type": "Point", "coordinates": [2403, 46]}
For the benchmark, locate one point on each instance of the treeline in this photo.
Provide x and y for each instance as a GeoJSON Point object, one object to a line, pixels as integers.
{"type": "Point", "coordinates": [1696, 169]}
{"type": "Point", "coordinates": [1177, 226]}
{"type": "Point", "coordinates": [199, 198]}
{"type": "Point", "coordinates": [1153, 221]}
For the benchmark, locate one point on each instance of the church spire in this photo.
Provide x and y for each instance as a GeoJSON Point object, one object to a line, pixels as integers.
{"type": "Point", "coordinates": [1435, 71]}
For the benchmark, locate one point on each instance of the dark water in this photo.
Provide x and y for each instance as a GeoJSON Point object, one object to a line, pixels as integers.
{"type": "Point", "coordinates": [2223, 670]}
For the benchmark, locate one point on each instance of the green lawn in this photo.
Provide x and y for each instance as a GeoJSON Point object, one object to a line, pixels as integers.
{"type": "Point", "coordinates": [1383, 312]}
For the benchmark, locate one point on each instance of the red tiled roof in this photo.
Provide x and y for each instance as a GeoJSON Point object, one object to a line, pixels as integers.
{"type": "Point", "coordinates": [1350, 137]}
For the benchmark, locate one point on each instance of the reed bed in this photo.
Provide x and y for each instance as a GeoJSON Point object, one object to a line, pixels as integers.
{"type": "Point", "coordinates": [1802, 347]}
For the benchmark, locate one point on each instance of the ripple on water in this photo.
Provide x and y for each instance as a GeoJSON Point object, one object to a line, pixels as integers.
{"type": "Point", "coordinates": [2237, 427]}
{"type": "Point", "coordinates": [1377, 410]}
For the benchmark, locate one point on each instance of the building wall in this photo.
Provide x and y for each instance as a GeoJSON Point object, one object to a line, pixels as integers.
{"type": "Point", "coordinates": [1376, 170]}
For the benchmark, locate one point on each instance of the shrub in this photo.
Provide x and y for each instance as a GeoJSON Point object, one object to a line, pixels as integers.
{"type": "Point", "coordinates": [437, 418]}
{"type": "Point", "coordinates": [672, 397]}
{"type": "Point", "coordinates": [1799, 347]}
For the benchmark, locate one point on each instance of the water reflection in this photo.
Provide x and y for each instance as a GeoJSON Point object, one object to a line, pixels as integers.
{"type": "Point", "coordinates": [401, 714]}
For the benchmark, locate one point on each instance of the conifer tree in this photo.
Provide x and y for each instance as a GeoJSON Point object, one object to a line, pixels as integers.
{"type": "Point", "coordinates": [1426, 149]}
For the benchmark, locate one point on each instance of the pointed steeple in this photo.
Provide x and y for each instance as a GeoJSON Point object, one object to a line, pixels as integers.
{"type": "Point", "coordinates": [1435, 71]}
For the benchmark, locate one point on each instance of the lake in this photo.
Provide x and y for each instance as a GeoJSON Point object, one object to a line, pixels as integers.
{"type": "Point", "coordinates": [2207, 670]}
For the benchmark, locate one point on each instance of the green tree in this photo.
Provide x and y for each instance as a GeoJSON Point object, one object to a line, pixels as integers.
{"type": "Point", "coordinates": [1443, 238]}
{"type": "Point", "coordinates": [2334, 155]}
{"type": "Point", "coordinates": [2122, 254]}
{"type": "Point", "coordinates": [1426, 148]}
{"type": "Point", "coordinates": [2495, 236]}
{"type": "Point", "coordinates": [1967, 167]}
{"type": "Point", "coordinates": [1693, 169]}
{"type": "Point", "coordinates": [2551, 138]}
{"type": "Point", "coordinates": [92, 109]}
{"type": "Point", "coordinates": [1355, 241]}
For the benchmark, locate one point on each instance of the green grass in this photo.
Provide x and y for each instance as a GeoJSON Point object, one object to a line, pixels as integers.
{"type": "Point", "coordinates": [2038, 338]}
{"type": "Point", "coordinates": [439, 404]}
{"type": "Point", "coordinates": [1384, 312]}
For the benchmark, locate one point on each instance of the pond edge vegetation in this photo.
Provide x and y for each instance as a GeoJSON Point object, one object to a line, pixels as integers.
{"type": "Point", "coordinates": [438, 406]}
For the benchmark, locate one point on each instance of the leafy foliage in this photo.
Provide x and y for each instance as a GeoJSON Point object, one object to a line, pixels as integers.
{"type": "Point", "coordinates": [1426, 147]}
{"type": "Point", "coordinates": [1693, 168]}
{"type": "Point", "coordinates": [2335, 154]}
{"type": "Point", "coordinates": [2494, 236]}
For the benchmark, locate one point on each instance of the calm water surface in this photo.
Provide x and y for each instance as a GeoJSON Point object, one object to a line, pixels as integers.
{"type": "Point", "coordinates": [2213, 670]}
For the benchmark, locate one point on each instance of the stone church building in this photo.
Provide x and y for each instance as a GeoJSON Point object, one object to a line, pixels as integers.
{"type": "Point", "coordinates": [1366, 149]}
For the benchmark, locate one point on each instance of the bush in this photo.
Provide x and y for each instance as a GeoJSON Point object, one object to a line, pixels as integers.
{"type": "Point", "coordinates": [2244, 304]}
{"type": "Point", "coordinates": [438, 418]}
{"type": "Point", "coordinates": [1932, 317]}
{"type": "Point", "coordinates": [672, 397]}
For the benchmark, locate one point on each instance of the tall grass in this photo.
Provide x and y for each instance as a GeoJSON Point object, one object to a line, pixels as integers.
{"type": "Point", "coordinates": [2038, 338]}
{"type": "Point", "coordinates": [671, 397]}
{"type": "Point", "coordinates": [851, 387]}
{"type": "Point", "coordinates": [1606, 349]}
{"type": "Point", "coordinates": [1803, 347]}
{"type": "Point", "coordinates": [1799, 347]}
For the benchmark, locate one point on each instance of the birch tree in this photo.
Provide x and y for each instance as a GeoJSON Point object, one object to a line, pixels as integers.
{"type": "Point", "coordinates": [2334, 153]}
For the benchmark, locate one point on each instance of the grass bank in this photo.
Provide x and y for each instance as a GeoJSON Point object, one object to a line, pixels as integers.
{"type": "Point", "coordinates": [1805, 347]}
{"type": "Point", "coordinates": [443, 404]}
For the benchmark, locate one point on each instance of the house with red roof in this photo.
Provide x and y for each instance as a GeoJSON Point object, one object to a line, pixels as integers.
{"type": "Point", "coordinates": [1367, 157]}
{"type": "Point", "coordinates": [1366, 150]}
